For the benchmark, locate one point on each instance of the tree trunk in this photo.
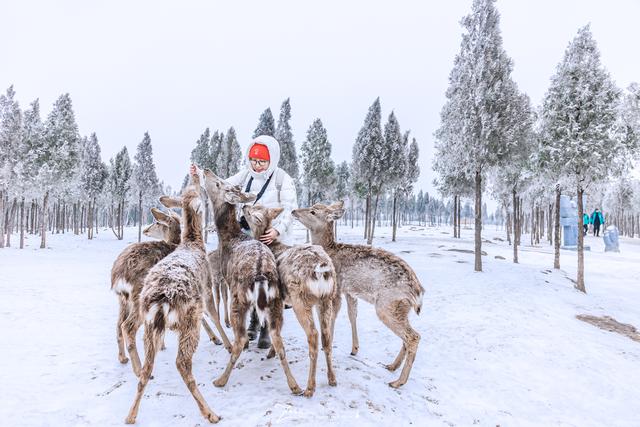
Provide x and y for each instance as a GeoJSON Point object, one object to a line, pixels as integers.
{"type": "Point", "coordinates": [45, 205]}
{"type": "Point", "coordinates": [580, 278]}
{"type": "Point", "coordinates": [478, 223]}
{"type": "Point", "coordinates": [367, 212]}
{"type": "Point", "coordinates": [508, 227]}
{"type": "Point", "coordinates": [515, 227]}
{"type": "Point", "coordinates": [140, 215]}
{"type": "Point", "coordinates": [372, 227]}
{"type": "Point", "coordinates": [455, 216]}
{"type": "Point", "coordinates": [22, 223]}
{"type": "Point", "coordinates": [393, 237]}
{"type": "Point", "coordinates": [556, 225]}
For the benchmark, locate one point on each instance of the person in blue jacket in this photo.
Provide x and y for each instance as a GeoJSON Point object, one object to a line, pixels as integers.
{"type": "Point", "coordinates": [585, 223]}
{"type": "Point", "coordinates": [597, 220]}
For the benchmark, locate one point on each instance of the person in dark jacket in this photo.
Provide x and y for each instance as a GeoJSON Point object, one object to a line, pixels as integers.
{"type": "Point", "coordinates": [597, 220]}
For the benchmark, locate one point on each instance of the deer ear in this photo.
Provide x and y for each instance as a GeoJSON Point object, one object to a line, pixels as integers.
{"type": "Point", "coordinates": [274, 212]}
{"type": "Point", "coordinates": [171, 202]}
{"type": "Point", "coordinates": [232, 197]}
{"type": "Point", "coordinates": [160, 216]}
{"type": "Point", "coordinates": [335, 214]}
{"type": "Point", "coordinates": [174, 215]}
{"type": "Point", "coordinates": [247, 197]}
{"type": "Point", "coordinates": [337, 205]}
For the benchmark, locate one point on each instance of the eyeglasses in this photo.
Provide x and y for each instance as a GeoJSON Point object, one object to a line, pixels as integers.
{"type": "Point", "coordinates": [259, 162]}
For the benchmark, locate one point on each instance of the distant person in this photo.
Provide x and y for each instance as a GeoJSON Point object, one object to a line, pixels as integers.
{"type": "Point", "coordinates": [585, 223]}
{"type": "Point", "coordinates": [597, 219]}
{"type": "Point", "coordinates": [274, 189]}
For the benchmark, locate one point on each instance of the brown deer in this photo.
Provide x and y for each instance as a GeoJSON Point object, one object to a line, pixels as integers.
{"type": "Point", "coordinates": [250, 271]}
{"type": "Point", "coordinates": [374, 275]}
{"type": "Point", "coordinates": [173, 297]}
{"type": "Point", "coordinates": [307, 273]}
{"type": "Point", "coordinates": [127, 276]}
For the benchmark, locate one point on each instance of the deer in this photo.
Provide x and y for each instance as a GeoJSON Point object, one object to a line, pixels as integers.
{"type": "Point", "coordinates": [373, 275]}
{"type": "Point", "coordinates": [174, 295]}
{"type": "Point", "coordinates": [127, 276]}
{"type": "Point", "coordinates": [308, 275]}
{"type": "Point", "coordinates": [250, 271]}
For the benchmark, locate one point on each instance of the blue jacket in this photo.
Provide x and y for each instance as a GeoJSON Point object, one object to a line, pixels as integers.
{"type": "Point", "coordinates": [585, 218]}
{"type": "Point", "coordinates": [599, 214]}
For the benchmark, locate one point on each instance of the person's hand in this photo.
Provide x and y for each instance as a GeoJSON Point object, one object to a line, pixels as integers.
{"type": "Point", "coordinates": [269, 236]}
{"type": "Point", "coordinates": [193, 169]}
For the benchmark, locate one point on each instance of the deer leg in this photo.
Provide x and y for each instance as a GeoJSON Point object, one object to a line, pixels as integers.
{"type": "Point", "coordinates": [327, 318]}
{"type": "Point", "coordinates": [131, 326]}
{"type": "Point", "coordinates": [151, 337]}
{"type": "Point", "coordinates": [238, 315]}
{"type": "Point", "coordinates": [305, 317]}
{"type": "Point", "coordinates": [225, 301]}
{"type": "Point", "coordinates": [275, 326]}
{"type": "Point", "coordinates": [124, 312]}
{"type": "Point", "coordinates": [395, 315]}
{"type": "Point", "coordinates": [187, 344]}
{"type": "Point", "coordinates": [213, 314]}
{"type": "Point", "coordinates": [210, 333]}
{"type": "Point", "coordinates": [352, 307]}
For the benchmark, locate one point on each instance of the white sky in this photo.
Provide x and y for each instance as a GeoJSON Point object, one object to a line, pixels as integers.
{"type": "Point", "coordinates": [175, 68]}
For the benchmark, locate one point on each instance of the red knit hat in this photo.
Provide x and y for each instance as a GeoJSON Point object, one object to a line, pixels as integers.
{"type": "Point", "coordinates": [259, 151]}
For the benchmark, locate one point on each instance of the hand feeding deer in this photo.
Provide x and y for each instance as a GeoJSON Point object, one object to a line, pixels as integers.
{"type": "Point", "coordinates": [308, 275]}
{"type": "Point", "coordinates": [250, 271]}
{"type": "Point", "coordinates": [374, 275]}
{"type": "Point", "coordinates": [173, 297]}
{"type": "Point", "coordinates": [127, 276]}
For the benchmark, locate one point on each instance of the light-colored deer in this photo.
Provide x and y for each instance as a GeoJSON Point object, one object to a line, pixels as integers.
{"type": "Point", "coordinates": [127, 276]}
{"type": "Point", "coordinates": [173, 297]}
{"type": "Point", "coordinates": [374, 275]}
{"type": "Point", "coordinates": [250, 271]}
{"type": "Point", "coordinates": [309, 277]}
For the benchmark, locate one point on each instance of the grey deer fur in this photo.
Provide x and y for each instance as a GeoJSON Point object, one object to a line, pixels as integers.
{"type": "Point", "coordinates": [374, 275]}
{"type": "Point", "coordinates": [250, 271]}
{"type": "Point", "coordinates": [127, 276]}
{"type": "Point", "coordinates": [307, 273]}
{"type": "Point", "coordinates": [173, 297]}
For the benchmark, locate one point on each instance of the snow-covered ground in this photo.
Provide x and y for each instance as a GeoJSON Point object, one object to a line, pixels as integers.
{"type": "Point", "coordinates": [498, 347]}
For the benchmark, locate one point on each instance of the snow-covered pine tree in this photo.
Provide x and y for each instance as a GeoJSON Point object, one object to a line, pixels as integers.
{"type": "Point", "coordinates": [477, 115]}
{"type": "Point", "coordinates": [288, 156]}
{"type": "Point", "coordinates": [145, 177]}
{"type": "Point", "coordinates": [202, 154]}
{"type": "Point", "coordinates": [579, 115]}
{"type": "Point", "coordinates": [399, 150]}
{"type": "Point", "coordinates": [10, 161]}
{"type": "Point", "coordinates": [94, 174]}
{"type": "Point", "coordinates": [120, 172]}
{"type": "Point", "coordinates": [232, 152]}
{"type": "Point", "coordinates": [343, 184]}
{"type": "Point", "coordinates": [266, 124]}
{"type": "Point", "coordinates": [319, 169]}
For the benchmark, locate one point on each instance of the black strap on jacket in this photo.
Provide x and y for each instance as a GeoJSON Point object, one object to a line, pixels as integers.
{"type": "Point", "coordinates": [262, 190]}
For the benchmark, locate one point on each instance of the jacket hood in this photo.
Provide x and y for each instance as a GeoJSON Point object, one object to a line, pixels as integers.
{"type": "Point", "coordinates": [274, 152]}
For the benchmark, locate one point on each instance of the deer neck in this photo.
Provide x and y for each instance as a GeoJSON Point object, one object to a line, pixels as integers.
{"type": "Point", "coordinates": [225, 218]}
{"type": "Point", "coordinates": [324, 237]}
{"type": "Point", "coordinates": [192, 231]}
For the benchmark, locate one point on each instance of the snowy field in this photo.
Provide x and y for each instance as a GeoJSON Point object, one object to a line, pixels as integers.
{"type": "Point", "coordinates": [498, 347]}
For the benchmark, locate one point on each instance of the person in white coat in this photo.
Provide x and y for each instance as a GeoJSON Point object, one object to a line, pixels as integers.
{"type": "Point", "coordinates": [273, 188]}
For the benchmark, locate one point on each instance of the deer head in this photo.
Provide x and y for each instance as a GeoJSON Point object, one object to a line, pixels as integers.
{"type": "Point", "coordinates": [259, 218]}
{"type": "Point", "coordinates": [220, 191]}
{"type": "Point", "coordinates": [165, 227]}
{"type": "Point", "coordinates": [318, 217]}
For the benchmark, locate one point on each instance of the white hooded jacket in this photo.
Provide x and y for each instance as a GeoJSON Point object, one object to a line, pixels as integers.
{"type": "Point", "coordinates": [288, 199]}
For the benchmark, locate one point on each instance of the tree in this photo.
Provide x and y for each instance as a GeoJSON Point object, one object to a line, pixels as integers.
{"type": "Point", "coordinates": [232, 152]}
{"type": "Point", "coordinates": [146, 180]}
{"type": "Point", "coordinates": [476, 120]}
{"type": "Point", "coordinates": [399, 151]}
{"type": "Point", "coordinates": [119, 186]}
{"type": "Point", "coordinates": [266, 124]}
{"type": "Point", "coordinates": [202, 155]}
{"type": "Point", "coordinates": [288, 156]}
{"type": "Point", "coordinates": [343, 183]}
{"type": "Point", "coordinates": [10, 157]}
{"type": "Point", "coordinates": [93, 178]}
{"type": "Point", "coordinates": [319, 169]}
{"type": "Point", "coordinates": [579, 114]}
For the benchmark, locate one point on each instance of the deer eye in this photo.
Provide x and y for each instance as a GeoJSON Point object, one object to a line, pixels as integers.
{"type": "Point", "coordinates": [313, 212]}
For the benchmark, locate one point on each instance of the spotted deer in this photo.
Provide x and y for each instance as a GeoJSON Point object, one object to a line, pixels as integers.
{"type": "Point", "coordinates": [307, 273]}
{"type": "Point", "coordinates": [374, 275]}
{"type": "Point", "coordinates": [250, 271]}
{"type": "Point", "coordinates": [173, 297]}
{"type": "Point", "coordinates": [127, 276]}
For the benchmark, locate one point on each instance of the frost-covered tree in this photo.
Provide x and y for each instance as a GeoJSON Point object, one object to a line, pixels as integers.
{"type": "Point", "coordinates": [120, 172]}
{"type": "Point", "coordinates": [266, 124]}
{"type": "Point", "coordinates": [232, 152]}
{"type": "Point", "coordinates": [10, 159]}
{"type": "Point", "coordinates": [319, 169]}
{"type": "Point", "coordinates": [202, 155]}
{"type": "Point", "coordinates": [476, 119]}
{"type": "Point", "coordinates": [94, 174]}
{"type": "Point", "coordinates": [288, 156]}
{"type": "Point", "coordinates": [145, 177]}
{"type": "Point", "coordinates": [343, 184]}
{"type": "Point", "coordinates": [579, 114]}
{"type": "Point", "coordinates": [399, 151]}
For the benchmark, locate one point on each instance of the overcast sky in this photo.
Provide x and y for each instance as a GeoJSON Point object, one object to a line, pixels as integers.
{"type": "Point", "coordinates": [175, 68]}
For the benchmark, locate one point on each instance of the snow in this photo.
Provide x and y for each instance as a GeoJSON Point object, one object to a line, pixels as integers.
{"type": "Point", "coordinates": [498, 347]}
